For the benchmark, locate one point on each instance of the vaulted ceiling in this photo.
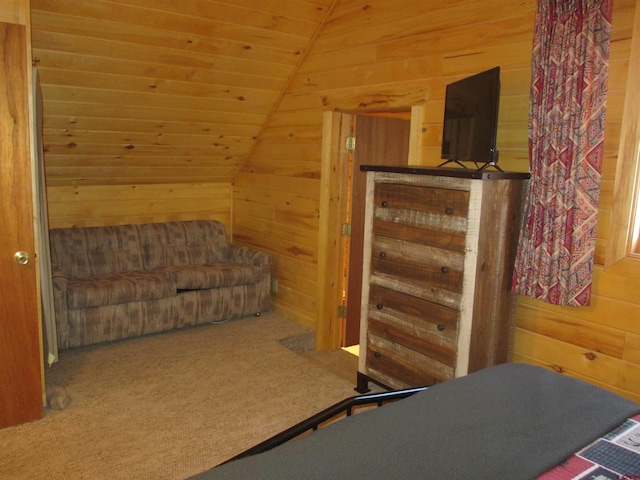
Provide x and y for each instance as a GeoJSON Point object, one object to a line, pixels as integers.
{"type": "Point", "coordinates": [146, 91]}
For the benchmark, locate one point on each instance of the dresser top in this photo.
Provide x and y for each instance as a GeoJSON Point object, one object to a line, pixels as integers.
{"type": "Point", "coordinates": [446, 172]}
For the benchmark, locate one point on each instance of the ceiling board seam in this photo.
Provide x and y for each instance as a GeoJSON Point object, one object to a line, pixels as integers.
{"type": "Point", "coordinates": [213, 2]}
{"type": "Point", "coordinates": [233, 104]}
{"type": "Point", "coordinates": [210, 125]}
{"type": "Point", "coordinates": [149, 78]}
{"type": "Point", "coordinates": [258, 9]}
{"type": "Point", "coordinates": [285, 88]}
{"type": "Point", "coordinates": [163, 77]}
{"type": "Point", "coordinates": [210, 60]}
{"type": "Point", "coordinates": [209, 22]}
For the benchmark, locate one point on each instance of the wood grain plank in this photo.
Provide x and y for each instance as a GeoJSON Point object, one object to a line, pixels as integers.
{"type": "Point", "coordinates": [632, 348]}
{"type": "Point", "coordinates": [232, 13]}
{"type": "Point", "coordinates": [392, 20]}
{"type": "Point", "coordinates": [240, 104]}
{"type": "Point", "coordinates": [603, 368]}
{"type": "Point", "coordinates": [141, 36]}
{"type": "Point", "coordinates": [555, 368]}
{"type": "Point", "coordinates": [173, 21]}
{"type": "Point", "coordinates": [100, 205]}
{"type": "Point", "coordinates": [75, 62]}
{"type": "Point", "coordinates": [76, 135]}
{"type": "Point", "coordinates": [159, 127]}
{"type": "Point", "coordinates": [573, 330]}
{"type": "Point", "coordinates": [124, 51]}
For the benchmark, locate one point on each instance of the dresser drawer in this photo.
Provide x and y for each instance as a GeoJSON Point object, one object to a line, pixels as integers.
{"type": "Point", "coordinates": [424, 266]}
{"type": "Point", "coordinates": [434, 234]}
{"type": "Point", "coordinates": [424, 327]}
{"type": "Point", "coordinates": [421, 198]}
{"type": "Point", "coordinates": [435, 208]}
{"type": "Point", "coordinates": [398, 367]}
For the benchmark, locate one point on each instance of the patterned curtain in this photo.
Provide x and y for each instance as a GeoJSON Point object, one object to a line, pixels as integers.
{"type": "Point", "coordinates": [566, 137]}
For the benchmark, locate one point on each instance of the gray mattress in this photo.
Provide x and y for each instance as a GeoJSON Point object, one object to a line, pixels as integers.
{"type": "Point", "coordinates": [512, 421]}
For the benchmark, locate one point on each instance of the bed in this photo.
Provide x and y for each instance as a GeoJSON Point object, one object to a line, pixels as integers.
{"type": "Point", "coordinates": [512, 421]}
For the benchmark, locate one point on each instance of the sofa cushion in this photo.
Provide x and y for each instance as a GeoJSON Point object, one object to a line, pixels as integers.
{"type": "Point", "coordinates": [197, 242]}
{"type": "Point", "coordinates": [194, 277]}
{"type": "Point", "coordinates": [115, 288]}
{"type": "Point", "coordinates": [90, 251]}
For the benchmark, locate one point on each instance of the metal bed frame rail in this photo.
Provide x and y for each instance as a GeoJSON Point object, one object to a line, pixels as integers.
{"type": "Point", "coordinates": [340, 409]}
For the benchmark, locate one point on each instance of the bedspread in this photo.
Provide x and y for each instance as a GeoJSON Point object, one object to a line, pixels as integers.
{"type": "Point", "coordinates": [613, 456]}
{"type": "Point", "coordinates": [512, 421]}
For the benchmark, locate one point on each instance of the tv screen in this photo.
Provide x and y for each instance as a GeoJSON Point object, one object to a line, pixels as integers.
{"type": "Point", "coordinates": [471, 119]}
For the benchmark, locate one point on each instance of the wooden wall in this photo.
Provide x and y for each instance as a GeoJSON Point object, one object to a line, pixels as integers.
{"type": "Point", "coordinates": [378, 56]}
{"type": "Point", "coordinates": [388, 55]}
{"type": "Point", "coordinates": [600, 343]}
{"type": "Point", "coordinates": [100, 205]}
{"type": "Point", "coordinates": [146, 91]}
{"type": "Point", "coordinates": [14, 11]}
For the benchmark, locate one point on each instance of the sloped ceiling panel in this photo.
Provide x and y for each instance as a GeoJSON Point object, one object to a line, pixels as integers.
{"type": "Point", "coordinates": [155, 91]}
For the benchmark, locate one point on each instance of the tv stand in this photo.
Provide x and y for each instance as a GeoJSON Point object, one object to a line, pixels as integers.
{"type": "Point", "coordinates": [484, 166]}
{"type": "Point", "coordinates": [490, 164]}
{"type": "Point", "coordinates": [453, 161]}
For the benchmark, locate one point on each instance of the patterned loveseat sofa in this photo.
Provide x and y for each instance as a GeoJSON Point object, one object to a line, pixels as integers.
{"type": "Point", "coordinates": [122, 281]}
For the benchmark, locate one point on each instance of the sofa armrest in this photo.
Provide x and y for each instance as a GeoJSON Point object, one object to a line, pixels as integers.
{"type": "Point", "coordinates": [59, 278]}
{"type": "Point", "coordinates": [248, 256]}
{"type": "Point", "coordinates": [60, 281]}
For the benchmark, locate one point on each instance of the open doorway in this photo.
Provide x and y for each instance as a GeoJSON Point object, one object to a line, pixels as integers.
{"type": "Point", "coordinates": [380, 138]}
{"type": "Point", "coordinates": [378, 141]}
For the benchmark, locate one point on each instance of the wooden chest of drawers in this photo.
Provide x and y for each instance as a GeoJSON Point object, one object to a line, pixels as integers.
{"type": "Point", "coordinates": [439, 251]}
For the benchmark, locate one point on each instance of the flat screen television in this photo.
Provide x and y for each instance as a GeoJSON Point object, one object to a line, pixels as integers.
{"type": "Point", "coordinates": [471, 120]}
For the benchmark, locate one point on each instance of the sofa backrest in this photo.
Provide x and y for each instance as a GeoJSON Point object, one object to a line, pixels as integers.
{"type": "Point", "coordinates": [88, 251]}
{"type": "Point", "coordinates": [194, 242]}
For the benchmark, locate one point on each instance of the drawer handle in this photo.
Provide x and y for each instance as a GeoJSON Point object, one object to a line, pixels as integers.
{"type": "Point", "coordinates": [383, 254]}
{"type": "Point", "coordinates": [444, 269]}
{"type": "Point", "coordinates": [440, 327]}
{"type": "Point", "coordinates": [377, 354]}
{"type": "Point", "coordinates": [448, 211]}
{"type": "Point", "coordinates": [385, 204]}
{"type": "Point", "coordinates": [379, 306]}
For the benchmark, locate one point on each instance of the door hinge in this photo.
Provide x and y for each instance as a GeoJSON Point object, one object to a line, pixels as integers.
{"type": "Point", "coordinates": [351, 143]}
{"type": "Point", "coordinates": [346, 229]}
{"type": "Point", "coordinates": [342, 311]}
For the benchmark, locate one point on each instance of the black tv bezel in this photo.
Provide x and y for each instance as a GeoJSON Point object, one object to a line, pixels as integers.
{"type": "Point", "coordinates": [492, 154]}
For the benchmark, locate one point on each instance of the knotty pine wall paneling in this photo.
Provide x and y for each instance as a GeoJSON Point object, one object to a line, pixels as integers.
{"type": "Point", "coordinates": [141, 91]}
{"type": "Point", "coordinates": [382, 56]}
{"type": "Point", "coordinates": [367, 58]}
{"type": "Point", "coordinates": [146, 92]}
{"type": "Point", "coordinates": [101, 205]}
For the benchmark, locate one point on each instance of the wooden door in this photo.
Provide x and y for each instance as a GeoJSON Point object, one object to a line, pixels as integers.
{"type": "Point", "coordinates": [379, 141]}
{"type": "Point", "coordinates": [21, 396]}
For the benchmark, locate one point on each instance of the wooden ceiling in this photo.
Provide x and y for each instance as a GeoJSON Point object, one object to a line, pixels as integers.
{"type": "Point", "coordinates": [156, 91]}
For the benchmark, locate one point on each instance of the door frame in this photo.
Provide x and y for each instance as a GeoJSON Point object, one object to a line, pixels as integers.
{"type": "Point", "coordinates": [336, 126]}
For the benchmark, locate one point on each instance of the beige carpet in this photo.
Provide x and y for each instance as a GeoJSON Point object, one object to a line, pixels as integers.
{"type": "Point", "coordinates": [171, 405]}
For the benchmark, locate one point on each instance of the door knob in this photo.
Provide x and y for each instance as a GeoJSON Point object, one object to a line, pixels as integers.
{"type": "Point", "coordinates": [21, 257]}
